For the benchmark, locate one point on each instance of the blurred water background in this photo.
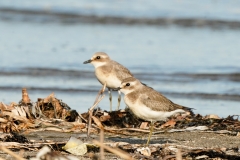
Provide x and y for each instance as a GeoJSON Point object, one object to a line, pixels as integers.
{"type": "Point", "coordinates": [187, 50]}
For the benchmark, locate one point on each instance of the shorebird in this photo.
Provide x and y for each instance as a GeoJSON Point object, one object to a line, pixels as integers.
{"type": "Point", "coordinates": [110, 72]}
{"type": "Point", "coordinates": [148, 104]}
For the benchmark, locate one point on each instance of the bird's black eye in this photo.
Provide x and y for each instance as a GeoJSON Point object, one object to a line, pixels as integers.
{"type": "Point", "coordinates": [128, 84]}
{"type": "Point", "coordinates": [98, 57]}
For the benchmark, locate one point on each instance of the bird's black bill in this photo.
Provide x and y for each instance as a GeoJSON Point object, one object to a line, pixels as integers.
{"type": "Point", "coordinates": [88, 61]}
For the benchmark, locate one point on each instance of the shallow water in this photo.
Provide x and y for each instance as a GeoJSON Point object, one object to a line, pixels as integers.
{"type": "Point", "coordinates": [214, 9]}
{"type": "Point", "coordinates": [194, 66]}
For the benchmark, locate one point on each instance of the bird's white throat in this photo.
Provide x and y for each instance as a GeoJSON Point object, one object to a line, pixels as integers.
{"type": "Point", "coordinates": [98, 64]}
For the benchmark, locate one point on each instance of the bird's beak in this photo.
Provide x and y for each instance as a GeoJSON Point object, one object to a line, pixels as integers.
{"type": "Point", "coordinates": [88, 61]}
{"type": "Point", "coordinates": [119, 88]}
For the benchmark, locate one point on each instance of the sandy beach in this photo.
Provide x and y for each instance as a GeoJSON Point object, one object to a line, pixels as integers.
{"type": "Point", "coordinates": [186, 50]}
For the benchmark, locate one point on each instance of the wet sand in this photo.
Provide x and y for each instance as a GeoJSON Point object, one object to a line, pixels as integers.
{"type": "Point", "coordinates": [185, 141]}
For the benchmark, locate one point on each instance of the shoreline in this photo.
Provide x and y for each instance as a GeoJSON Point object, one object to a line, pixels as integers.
{"type": "Point", "coordinates": [47, 16]}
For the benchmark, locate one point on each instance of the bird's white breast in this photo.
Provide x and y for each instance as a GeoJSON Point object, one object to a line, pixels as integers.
{"type": "Point", "coordinates": [109, 78]}
{"type": "Point", "coordinates": [146, 113]}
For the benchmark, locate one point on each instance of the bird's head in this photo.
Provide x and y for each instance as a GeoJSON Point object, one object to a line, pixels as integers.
{"type": "Point", "coordinates": [129, 85]}
{"type": "Point", "coordinates": [98, 59]}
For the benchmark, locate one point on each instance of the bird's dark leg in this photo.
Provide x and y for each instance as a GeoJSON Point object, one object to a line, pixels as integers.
{"type": "Point", "coordinates": [150, 133]}
{"type": "Point", "coordinates": [110, 98]}
{"type": "Point", "coordinates": [119, 99]}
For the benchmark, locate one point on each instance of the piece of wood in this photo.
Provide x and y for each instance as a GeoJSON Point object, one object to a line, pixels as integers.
{"type": "Point", "coordinates": [4, 149]}
{"type": "Point", "coordinates": [116, 151]}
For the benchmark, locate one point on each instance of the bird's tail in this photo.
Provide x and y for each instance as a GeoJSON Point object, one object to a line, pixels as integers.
{"type": "Point", "coordinates": [188, 110]}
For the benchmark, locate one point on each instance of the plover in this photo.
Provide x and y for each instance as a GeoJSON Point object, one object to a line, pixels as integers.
{"type": "Point", "coordinates": [148, 104]}
{"type": "Point", "coordinates": [110, 72]}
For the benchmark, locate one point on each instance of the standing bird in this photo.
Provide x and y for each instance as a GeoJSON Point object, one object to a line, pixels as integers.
{"type": "Point", "coordinates": [148, 104]}
{"type": "Point", "coordinates": [110, 72]}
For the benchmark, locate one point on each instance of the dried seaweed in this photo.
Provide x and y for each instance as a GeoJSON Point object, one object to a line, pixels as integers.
{"type": "Point", "coordinates": [52, 114]}
{"type": "Point", "coordinates": [15, 137]}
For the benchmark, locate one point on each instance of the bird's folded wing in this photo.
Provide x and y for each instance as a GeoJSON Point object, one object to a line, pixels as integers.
{"type": "Point", "coordinates": [158, 105]}
{"type": "Point", "coordinates": [121, 71]}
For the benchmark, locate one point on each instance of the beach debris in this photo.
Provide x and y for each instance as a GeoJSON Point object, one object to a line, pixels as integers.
{"type": "Point", "coordinates": [45, 153]}
{"type": "Point", "coordinates": [3, 106]}
{"type": "Point", "coordinates": [143, 125]}
{"type": "Point", "coordinates": [212, 116]}
{"type": "Point", "coordinates": [144, 151]}
{"type": "Point", "coordinates": [51, 107]}
{"type": "Point", "coordinates": [24, 115]}
{"type": "Point", "coordinates": [179, 155]}
{"type": "Point", "coordinates": [75, 146]}
{"type": "Point", "coordinates": [104, 117]}
{"type": "Point", "coordinates": [202, 157]}
{"type": "Point", "coordinates": [197, 128]}
{"type": "Point", "coordinates": [9, 152]}
{"type": "Point", "coordinates": [25, 98]}
{"type": "Point", "coordinates": [13, 118]}
{"type": "Point", "coordinates": [170, 123]}
{"type": "Point", "coordinates": [97, 122]}
{"type": "Point", "coordinates": [99, 97]}
{"type": "Point", "coordinates": [116, 151]}
{"type": "Point", "coordinates": [238, 134]}
{"type": "Point", "coordinates": [201, 128]}
{"type": "Point", "coordinates": [14, 137]}
{"type": "Point", "coordinates": [42, 153]}
{"type": "Point", "coordinates": [52, 115]}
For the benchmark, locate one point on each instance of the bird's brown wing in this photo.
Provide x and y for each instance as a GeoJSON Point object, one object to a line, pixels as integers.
{"type": "Point", "coordinates": [122, 72]}
{"type": "Point", "coordinates": [157, 105]}
{"type": "Point", "coordinates": [158, 102]}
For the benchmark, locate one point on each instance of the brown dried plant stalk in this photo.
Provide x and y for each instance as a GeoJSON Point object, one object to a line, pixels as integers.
{"type": "Point", "coordinates": [99, 97]}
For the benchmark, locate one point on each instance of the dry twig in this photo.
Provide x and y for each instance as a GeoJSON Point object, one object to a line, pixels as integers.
{"type": "Point", "coordinates": [99, 97]}
{"type": "Point", "coordinates": [101, 147]}
{"type": "Point", "coordinates": [116, 151]}
{"type": "Point", "coordinates": [4, 149]}
{"type": "Point", "coordinates": [179, 155]}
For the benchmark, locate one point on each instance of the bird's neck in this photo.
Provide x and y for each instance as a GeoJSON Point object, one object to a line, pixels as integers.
{"type": "Point", "coordinates": [98, 64]}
